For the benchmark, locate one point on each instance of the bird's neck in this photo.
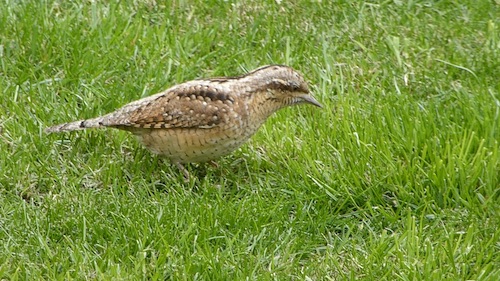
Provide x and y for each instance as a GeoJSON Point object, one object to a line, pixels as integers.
{"type": "Point", "coordinates": [261, 106]}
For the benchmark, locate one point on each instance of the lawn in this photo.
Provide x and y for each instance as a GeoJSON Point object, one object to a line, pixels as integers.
{"type": "Point", "coordinates": [396, 178]}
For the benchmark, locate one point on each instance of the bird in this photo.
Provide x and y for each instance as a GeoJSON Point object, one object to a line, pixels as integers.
{"type": "Point", "coordinates": [201, 120]}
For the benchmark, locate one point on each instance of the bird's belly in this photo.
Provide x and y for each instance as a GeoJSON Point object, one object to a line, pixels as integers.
{"type": "Point", "coordinates": [193, 145]}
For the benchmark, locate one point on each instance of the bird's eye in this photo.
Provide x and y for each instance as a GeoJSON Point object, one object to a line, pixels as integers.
{"type": "Point", "coordinates": [294, 86]}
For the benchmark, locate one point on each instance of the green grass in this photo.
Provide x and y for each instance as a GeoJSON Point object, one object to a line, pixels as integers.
{"type": "Point", "coordinates": [397, 178]}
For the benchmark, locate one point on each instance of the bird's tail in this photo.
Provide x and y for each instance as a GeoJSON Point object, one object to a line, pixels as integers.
{"type": "Point", "coordinates": [76, 125]}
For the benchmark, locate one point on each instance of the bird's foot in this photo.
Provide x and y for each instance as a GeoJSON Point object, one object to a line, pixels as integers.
{"type": "Point", "coordinates": [181, 167]}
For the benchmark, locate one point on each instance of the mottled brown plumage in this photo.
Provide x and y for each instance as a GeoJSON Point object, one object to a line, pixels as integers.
{"type": "Point", "coordinates": [201, 120]}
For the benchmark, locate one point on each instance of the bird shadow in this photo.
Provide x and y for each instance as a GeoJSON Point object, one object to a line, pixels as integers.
{"type": "Point", "coordinates": [230, 173]}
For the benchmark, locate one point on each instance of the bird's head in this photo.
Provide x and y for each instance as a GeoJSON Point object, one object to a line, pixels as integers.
{"type": "Point", "coordinates": [283, 85]}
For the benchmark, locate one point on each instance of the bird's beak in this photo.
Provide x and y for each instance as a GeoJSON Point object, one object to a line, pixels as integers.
{"type": "Point", "coordinates": [310, 99]}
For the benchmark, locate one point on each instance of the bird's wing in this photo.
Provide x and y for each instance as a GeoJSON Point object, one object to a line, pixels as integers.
{"type": "Point", "coordinates": [188, 105]}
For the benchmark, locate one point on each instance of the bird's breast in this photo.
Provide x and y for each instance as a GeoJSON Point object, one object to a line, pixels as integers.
{"type": "Point", "coordinates": [193, 145]}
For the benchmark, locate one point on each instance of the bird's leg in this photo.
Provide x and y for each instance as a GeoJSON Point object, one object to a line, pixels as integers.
{"type": "Point", "coordinates": [187, 176]}
{"type": "Point", "coordinates": [213, 164]}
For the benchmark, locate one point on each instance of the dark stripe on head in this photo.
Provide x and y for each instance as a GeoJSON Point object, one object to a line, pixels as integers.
{"type": "Point", "coordinates": [285, 86]}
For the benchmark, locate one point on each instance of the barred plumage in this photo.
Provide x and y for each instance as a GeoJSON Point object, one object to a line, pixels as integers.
{"type": "Point", "coordinates": [201, 120]}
